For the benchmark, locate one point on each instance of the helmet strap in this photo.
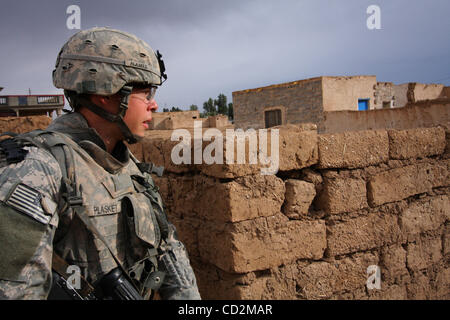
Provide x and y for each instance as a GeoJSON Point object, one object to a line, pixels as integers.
{"type": "Point", "coordinates": [115, 118]}
{"type": "Point", "coordinates": [123, 107]}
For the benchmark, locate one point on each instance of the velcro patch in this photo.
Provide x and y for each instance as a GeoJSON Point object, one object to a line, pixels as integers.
{"type": "Point", "coordinates": [27, 200]}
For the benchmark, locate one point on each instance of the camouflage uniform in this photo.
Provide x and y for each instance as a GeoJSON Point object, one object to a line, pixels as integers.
{"type": "Point", "coordinates": [27, 244]}
{"type": "Point", "coordinates": [35, 221]}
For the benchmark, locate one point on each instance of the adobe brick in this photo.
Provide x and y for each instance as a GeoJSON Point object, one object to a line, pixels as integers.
{"type": "Point", "coordinates": [298, 198]}
{"type": "Point", "coordinates": [362, 233]}
{"type": "Point", "coordinates": [393, 264]}
{"type": "Point", "coordinates": [322, 280]}
{"type": "Point", "coordinates": [425, 215]}
{"type": "Point", "coordinates": [340, 195]}
{"type": "Point", "coordinates": [400, 183]}
{"type": "Point", "coordinates": [356, 149]}
{"type": "Point", "coordinates": [423, 253]}
{"type": "Point", "coordinates": [416, 143]}
{"type": "Point", "coordinates": [261, 243]}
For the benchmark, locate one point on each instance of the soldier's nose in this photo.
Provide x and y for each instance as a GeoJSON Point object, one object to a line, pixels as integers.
{"type": "Point", "coordinates": [152, 106]}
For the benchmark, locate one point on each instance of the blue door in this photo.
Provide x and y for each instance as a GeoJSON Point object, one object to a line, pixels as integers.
{"type": "Point", "coordinates": [363, 104]}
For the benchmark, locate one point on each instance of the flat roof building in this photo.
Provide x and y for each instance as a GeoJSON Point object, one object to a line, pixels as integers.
{"type": "Point", "coordinates": [307, 101]}
{"type": "Point", "coordinates": [30, 105]}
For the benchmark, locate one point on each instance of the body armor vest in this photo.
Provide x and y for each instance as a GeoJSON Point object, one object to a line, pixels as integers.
{"type": "Point", "coordinates": [121, 201]}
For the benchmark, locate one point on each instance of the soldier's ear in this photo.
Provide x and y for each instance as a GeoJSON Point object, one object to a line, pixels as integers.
{"type": "Point", "coordinates": [99, 100]}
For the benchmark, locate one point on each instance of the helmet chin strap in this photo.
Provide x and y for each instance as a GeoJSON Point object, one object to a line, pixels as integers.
{"type": "Point", "coordinates": [115, 118]}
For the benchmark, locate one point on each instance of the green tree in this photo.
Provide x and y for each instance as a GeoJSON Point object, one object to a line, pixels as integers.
{"type": "Point", "coordinates": [230, 111]}
{"type": "Point", "coordinates": [221, 104]}
{"type": "Point", "coordinates": [193, 107]}
{"type": "Point", "coordinates": [165, 109]}
{"type": "Point", "coordinates": [209, 107]}
{"type": "Point", "coordinates": [175, 109]}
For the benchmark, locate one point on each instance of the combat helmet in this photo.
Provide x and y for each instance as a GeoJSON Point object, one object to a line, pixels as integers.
{"type": "Point", "coordinates": [106, 61]}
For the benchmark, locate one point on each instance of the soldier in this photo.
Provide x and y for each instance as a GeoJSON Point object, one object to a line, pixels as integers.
{"type": "Point", "coordinates": [74, 196]}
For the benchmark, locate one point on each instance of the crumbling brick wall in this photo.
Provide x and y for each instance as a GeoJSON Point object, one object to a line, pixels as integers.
{"type": "Point", "coordinates": [23, 124]}
{"type": "Point", "coordinates": [339, 204]}
{"type": "Point", "coordinates": [384, 93]}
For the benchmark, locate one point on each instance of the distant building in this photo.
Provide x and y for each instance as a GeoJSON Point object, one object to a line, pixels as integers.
{"type": "Point", "coordinates": [307, 100]}
{"type": "Point", "coordinates": [30, 105]}
{"type": "Point", "coordinates": [185, 120]}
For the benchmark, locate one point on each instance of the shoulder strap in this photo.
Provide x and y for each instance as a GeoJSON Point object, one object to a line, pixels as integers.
{"type": "Point", "coordinates": [148, 167]}
{"type": "Point", "coordinates": [60, 266]}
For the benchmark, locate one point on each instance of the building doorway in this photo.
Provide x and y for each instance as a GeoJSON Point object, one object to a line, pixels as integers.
{"type": "Point", "coordinates": [363, 104]}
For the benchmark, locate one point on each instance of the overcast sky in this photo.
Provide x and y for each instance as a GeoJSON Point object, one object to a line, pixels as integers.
{"type": "Point", "coordinates": [220, 46]}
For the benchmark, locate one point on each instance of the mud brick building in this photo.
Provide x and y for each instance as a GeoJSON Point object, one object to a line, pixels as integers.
{"type": "Point", "coordinates": [185, 119]}
{"type": "Point", "coordinates": [308, 101]}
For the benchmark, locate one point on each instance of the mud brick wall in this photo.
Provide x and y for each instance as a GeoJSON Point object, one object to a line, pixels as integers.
{"type": "Point", "coordinates": [340, 203]}
{"type": "Point", "coordinates": [23, 124]}
{"type": "Point", "coordinates": [430, 113]}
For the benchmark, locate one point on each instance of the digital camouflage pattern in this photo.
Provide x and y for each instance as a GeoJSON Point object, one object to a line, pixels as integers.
{"type": "Point", "coordinates": [114, 202]}
{"type": "Point", "coordinates": [103, 60]}
{"type": "Point", "coordinates": [40, 171]}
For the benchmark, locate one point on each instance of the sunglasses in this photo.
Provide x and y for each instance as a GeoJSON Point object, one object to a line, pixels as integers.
{"type": "Point", "coordinates": [150, 96]}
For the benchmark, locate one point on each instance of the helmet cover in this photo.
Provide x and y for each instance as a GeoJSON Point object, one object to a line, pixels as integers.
{"type": "Point", "coordinates": [102, 60]}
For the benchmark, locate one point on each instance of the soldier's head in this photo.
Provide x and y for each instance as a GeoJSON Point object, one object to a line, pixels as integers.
{"type": "Point", "coordinates": [114, 75]}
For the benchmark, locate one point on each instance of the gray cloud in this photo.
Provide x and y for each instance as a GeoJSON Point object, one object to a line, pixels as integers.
{"type": "Point", "coordinates": [213, 47]}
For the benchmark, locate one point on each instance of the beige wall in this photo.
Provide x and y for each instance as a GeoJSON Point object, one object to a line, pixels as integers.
{"type": "Point", "coordinates": [401, 95]}
{"type": "Point", "coordinates": [185, 120]}
{"type": "Point", "coordinates": [218, 121]}
{"type": "Point", "coordinates": [421, 114]}
{"type": "Point", "coordinates": [342, 93]}
{"type": "Point", "coordinates": [179, 123]}
{"type": "Point", "coordinates": [157, 121]}
{"type": "Point", "coordinates": [173, 120]}
{"type": "Point", "coordinates": [427, 91]}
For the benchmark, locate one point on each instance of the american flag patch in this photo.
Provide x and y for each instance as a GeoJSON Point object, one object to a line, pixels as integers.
{"type": "Point", "coordinates": [27, 200]}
